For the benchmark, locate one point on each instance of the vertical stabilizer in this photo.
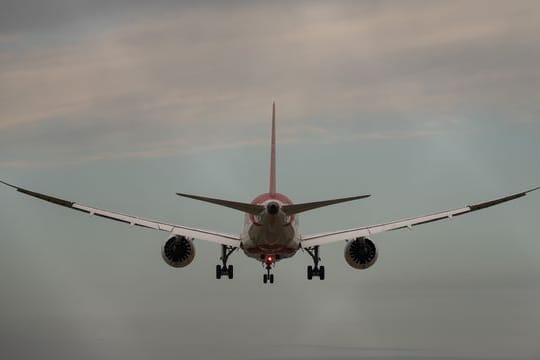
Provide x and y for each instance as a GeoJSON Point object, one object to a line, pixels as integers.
{"type": "Point", "coordinates": [273, 152]}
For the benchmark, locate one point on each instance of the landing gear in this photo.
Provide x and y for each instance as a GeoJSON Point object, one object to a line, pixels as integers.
{"type": "Point", "coordinates": [314, 270]}
{"type": "Point", "coordinates": [268, 278]}
{"type": "Point", "coordinates": [229, 271]}
{"type": "Point", "coordinates": [222, 270]}
{"type": "Point", "coordinates": [311, 272]}
{"type": "Point", "coordinates": [269, 260]}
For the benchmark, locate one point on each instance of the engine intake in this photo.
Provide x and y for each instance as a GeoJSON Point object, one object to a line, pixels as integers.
{"type": "Point", "coordinates": [178, 251]}
{"type": "Point", "coordinates": [361, 253]}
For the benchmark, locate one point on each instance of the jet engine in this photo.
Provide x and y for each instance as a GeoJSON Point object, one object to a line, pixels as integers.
{"type": "Point", "coordinates": [360, 253]}
{"type": "Point", "coordinates": [178, 251]}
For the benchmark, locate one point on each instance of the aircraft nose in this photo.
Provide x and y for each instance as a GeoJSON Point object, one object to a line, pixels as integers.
{"type": "Point", "coordinates": [272, 208]}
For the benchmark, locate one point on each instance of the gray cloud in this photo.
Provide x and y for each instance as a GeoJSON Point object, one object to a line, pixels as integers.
{"type": "Point", "coordinates": [37, 16]}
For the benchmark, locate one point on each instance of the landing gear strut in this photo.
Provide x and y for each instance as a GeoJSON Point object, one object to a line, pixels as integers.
{"type": "Point", "coordinates": [269, 277]}
{"type": "Point", "coordinates": [222, 270]}
{"type": "Point", "coordinates": [314, 270]}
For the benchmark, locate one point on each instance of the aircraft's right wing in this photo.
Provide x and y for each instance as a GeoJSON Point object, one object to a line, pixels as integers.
{"type": "Point", "coordinates": [327, 238]}
{"type": "Point", "coordinates": [220, 238]}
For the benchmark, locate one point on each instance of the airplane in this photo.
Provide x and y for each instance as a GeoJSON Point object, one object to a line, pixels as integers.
{"type": "Point", "coordinates": [270, 232]}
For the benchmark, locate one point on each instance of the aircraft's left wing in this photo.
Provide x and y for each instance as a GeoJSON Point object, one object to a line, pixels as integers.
{"type": "Point", "coordinates": [327, 238]}
{"type": "Point", "coordinates": [220, 238]}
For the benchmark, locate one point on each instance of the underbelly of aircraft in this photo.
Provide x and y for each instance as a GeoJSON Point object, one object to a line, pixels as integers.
{"type": "Point", "coordinates": [262, 240]}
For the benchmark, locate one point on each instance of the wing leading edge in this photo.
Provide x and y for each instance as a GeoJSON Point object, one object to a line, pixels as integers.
{"type": "Point", "coordinates": [331, 237]}
{"type": "Point", "coordinates": [219, 238]}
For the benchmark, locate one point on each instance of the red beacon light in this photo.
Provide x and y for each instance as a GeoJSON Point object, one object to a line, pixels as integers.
{"type": "Point", "coordinates": [269, 260]}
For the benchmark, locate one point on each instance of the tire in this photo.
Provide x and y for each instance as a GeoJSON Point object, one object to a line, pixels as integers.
{"type": "Point", "coordinates": [271, 278]}
{"type": "Point", "coordinates": [310, 272]}
{"type": "Point", "coordinates": [321, 273]}
{"type": "Point", "coordinates": [230, 271]}
{"type": "Point", "coordinates": [265, 278]}
{"type": "Point", "coordinates": [218, 272]}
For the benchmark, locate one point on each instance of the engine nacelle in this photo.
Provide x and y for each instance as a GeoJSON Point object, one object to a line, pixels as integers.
{"type": "Point", "coordinates": [360, 253]}
{"type": "Point", "coordinates": [178, 251]}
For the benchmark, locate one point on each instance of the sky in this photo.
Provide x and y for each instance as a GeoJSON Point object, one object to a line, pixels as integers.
{"type": "Point", "coordinates": [426, 105]}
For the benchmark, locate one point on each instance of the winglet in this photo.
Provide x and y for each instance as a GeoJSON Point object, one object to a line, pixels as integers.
{"type": "Point", "coordinates": [5, 183]}
{"type": "Point", "coordinates": [41, 196]}
{"type": "Point", "coordinates": [489, 203]}
{"type": "Point", "coordinates": [272, 189]}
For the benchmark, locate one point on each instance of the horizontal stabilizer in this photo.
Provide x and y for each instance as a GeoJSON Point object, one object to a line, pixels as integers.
{"type": "Point", "coordinates": [298, 208]}
{"type": "Point", "coordinates": [253, 209]}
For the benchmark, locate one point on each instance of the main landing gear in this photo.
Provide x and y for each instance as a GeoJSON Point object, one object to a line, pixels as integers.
{"type": "Point", "coordinates": [314, 270]}
{"type": "Point", "coordinates": [224, 270]}
{"type": "Point", "coordinates": [269, 260]}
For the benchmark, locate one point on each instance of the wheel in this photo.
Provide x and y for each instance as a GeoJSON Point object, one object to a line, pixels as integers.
{"type": "Point", "coordinates": [310, 272]}
{"type": "Point", "coordinates": [271, 278]}
{"type": "Point", "coordinates": [265, 278]}
{"type": "Point", "coordinates": [230, 271]}
{"type": "Point", "coordinates": [218, 272]}
{"type": "Point", "coordinates": [321, 273]}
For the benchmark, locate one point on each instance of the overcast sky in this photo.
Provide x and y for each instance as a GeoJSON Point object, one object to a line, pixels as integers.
{"type": "Point", "coordinates": [427, 105]}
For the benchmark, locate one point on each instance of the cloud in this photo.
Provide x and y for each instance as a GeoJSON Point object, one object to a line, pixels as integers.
{"type": "Point", "coordinates": [162, 150]}
{"type": "Point", "coordinates": [209, 72]}
{"type": "Point", "coordinates": [38, 16]}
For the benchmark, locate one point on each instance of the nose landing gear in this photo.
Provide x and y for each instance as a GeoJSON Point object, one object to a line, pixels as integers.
{"type": "Point", "coordinates": [314, 270]}
{"type": "Point", "coordinates": [269, 260]}
{"type": "Point", "coordinates": [268, 277]}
